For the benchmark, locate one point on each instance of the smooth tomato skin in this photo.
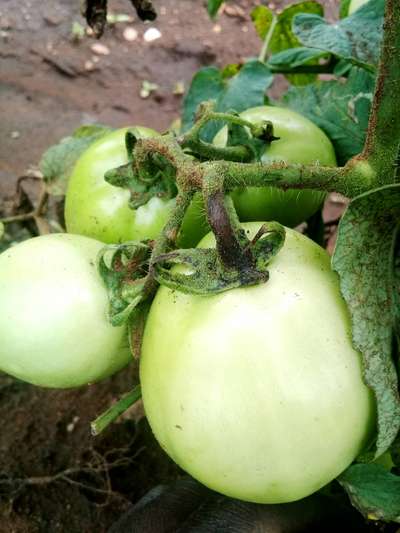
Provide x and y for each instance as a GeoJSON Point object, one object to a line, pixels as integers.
{"type": "Point", "coordinates": [356, 4]}
{"type": "Point", "coordinates": [257, 392]}
{"type": "Point", "coordinates": [54, 328]}
{"type": "Point", "coordinates": [99, 210]}
{"type": "Point", "coordinates": [301, 141]}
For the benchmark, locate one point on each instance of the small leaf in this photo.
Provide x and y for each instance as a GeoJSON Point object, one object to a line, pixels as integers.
{"type": "Point", "coordinates": [356, 38]}
{"type": "Point", "coordinates": [373, 490]}
{"type": "Point", "coordinates": [283, 37]}
{"type": "Point", "coordinates": [295, 57]}
{"type": "Point", "coordinates": [246, 89]}
{"type": "Point", "coordinates": [58, 161]}
{"type": "Point", "coordinates": [344, 8]}
{"type": "Point", "coordinates": [340, 109]}
{"type": "Point", "coordinates": [262, 17]}
{"type": "Point", "coordinates": [207, 84]}
{"type": "Point", "coordinates": [364, 259]}
{"type": "Point", "coordinates": [213, 7]}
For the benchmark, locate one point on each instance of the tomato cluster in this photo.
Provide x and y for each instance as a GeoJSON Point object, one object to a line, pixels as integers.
{"type": "Point", "coordinates": [256, 392]}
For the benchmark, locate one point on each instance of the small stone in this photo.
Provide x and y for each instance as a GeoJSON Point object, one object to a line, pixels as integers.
{"type": "Point", "coordinates": [130, 34]}
{"type": "Point", "coordinates": [152, 34]}
{"type": "Point", "coordinates": [217, 28]}
{"type": "Point", "coordinates": [15, 135]}
{"type": "Point", "coordinates": [179, 88]}
{"type": "Point", "coordinates": [89, 65]}
{"type": "Point", "coordinates": [100, 49]}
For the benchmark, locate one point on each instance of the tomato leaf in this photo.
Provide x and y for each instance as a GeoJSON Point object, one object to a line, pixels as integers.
{"type": "Point", "coordinates": [245, 89]}
{"type": "Point", "coordinates": [207, 84]}
{"type": "Point", "coordinates": [283, 37]}
{"type": "Point", "coordinates": [58, 161]}
{"type": "Point", "coordinates": [340, 109]}
{"type": "Point", "coordinates": [213, 7]}
{"type": "Point", "coordinates": [356, 38]}
{"type": "Point", "coordinates": [295, 57]}
{"type": "Point", "coordinates": [364, 259]}
{"type": "Point", "coordinates": [373, 490]}
{"type": "Point", "coordinates": [344, 8]}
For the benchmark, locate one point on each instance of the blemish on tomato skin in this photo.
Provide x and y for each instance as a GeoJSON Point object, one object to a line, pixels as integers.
{"type": "Point", "coordinates": [178, 427]}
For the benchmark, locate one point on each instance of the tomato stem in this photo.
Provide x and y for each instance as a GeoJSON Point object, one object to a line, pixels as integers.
{"type": "Point", "coordinates": [109, 416]}
{"type": "Point", "coordinates": [265, 47]}
{"type": "Point", "coordinates": [383, 136]}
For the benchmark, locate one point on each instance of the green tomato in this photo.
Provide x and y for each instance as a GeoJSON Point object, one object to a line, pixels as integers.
{"type": "Point", "coordinates": [356, 4]}
{"type": "Point", "coordinates": [301, 141]}
{"type": "Point", "coordinates": [54, 328]}
{"type": "Point", "coordinates": [99, 210]}
{"type": "Point", "coordinates": [257, 392]}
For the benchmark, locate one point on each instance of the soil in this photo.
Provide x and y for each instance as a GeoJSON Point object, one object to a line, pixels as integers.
{"type": "Point", "coordinates": [54, 476]}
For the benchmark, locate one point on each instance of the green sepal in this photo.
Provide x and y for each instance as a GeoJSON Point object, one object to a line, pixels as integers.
{"type": "Point", "coordinates": [204, 274]}
{"type": "Point", "coordinates": [123, 269]}
{"type": "Point", "coordinates": [154, 179]}
{"type": "Point", "coordinates": [200, 270]}
{"type": "Point", "coordinates": [261, 134]}
{"type": "Point", "coordinates": [136, 323]}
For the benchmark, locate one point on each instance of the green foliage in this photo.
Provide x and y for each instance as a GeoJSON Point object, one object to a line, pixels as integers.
{"type": "Point", "coordinates": [58, 161]}
{"type": "Point", "coordinates": [365, 262]}
{"type": "Point", "coordinates": [374, 491]}
{"type": "Point", "coordinates": [282, 37]}
{"type": "Point", "coordinates": [340, 109]}
{"type": "Point", "coordinates": [355, 39]}
{"type": "Point", "coordinates": [344, 8]}
{"type": "Point", "coordinates": [213, 6]}
{"type": "Point", "coordinates": [295, 57]}
{"type": "Point", "coordinates": [243, 90]}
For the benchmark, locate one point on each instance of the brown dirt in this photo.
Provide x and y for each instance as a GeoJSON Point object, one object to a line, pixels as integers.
{"type": "Point", "coordinates": [49, 86]}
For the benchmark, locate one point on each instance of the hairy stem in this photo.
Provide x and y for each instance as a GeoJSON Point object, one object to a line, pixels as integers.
{"type": "Point", "coordinates": [351, 180]}
{"type": "Point", "coordinates": [383, 137]}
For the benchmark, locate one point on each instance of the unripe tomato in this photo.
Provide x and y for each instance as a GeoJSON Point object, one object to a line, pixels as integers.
{"type": "Point", "coordinates": [99, 210]}
{"type": "Point", "coordinates": [356, 4]}
{"type": "Point", "coordinates": [257, 392]}
{"type": "Point", "coordinates": [300, 141]}
{"type": "Point", "coordinates": [54, 328]}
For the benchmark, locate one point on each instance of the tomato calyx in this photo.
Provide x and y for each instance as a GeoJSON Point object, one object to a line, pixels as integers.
{"type": "Point", "coordinates": [124, 270]}
{"type": "Point", "coordinates": [205, 273]}
{"type": "Point", "coordinates": [153, 177]}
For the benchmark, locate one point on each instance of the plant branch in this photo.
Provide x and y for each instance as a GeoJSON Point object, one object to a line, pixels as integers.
{"type": "Point", "coordinates": [109, 416]}
{"type": "Point", "coordinates": [265, 47]}
{"type": "Point", "coordinates": [383, 136]}
{"type": "Point", "coordinates": [351, 180]}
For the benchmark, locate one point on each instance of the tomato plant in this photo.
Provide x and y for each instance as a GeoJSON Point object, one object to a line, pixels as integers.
{"type": "Point", "coordinates": [266, 370]}
{"type": "Point", "coordinates": [258, 392]}
{"type": "Point", "coordinates": [300, 141]}
{"type": "Point", "coordinates": [53, 314]}
{"type": "Point", "coordinates": [99, 210]}
{"type": "Point", "coordinates": [356, 4]}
